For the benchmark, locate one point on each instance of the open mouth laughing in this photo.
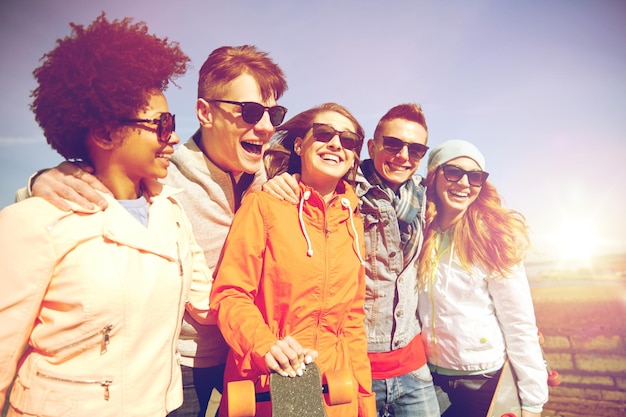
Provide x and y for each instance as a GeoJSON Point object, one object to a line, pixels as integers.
{"type": "Point", "coordinates": [255, 148]}
{"type": "Point", "coordinates": [330, 158]}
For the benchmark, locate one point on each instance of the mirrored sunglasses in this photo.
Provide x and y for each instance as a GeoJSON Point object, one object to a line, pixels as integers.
{"type": "Point", "coordinates": [166, 124]}
{"type": "Point", "coordinates": [394, 145]}
{"type": "Point", "coordinates": [325, 133]}
{"type": "Point", "coordinates": [453, 173]}
{"type": "Point", "coordinates": [252, 112]}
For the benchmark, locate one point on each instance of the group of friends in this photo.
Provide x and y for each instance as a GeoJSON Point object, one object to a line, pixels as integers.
{"type": "Point", "coordinates": [140, 277]}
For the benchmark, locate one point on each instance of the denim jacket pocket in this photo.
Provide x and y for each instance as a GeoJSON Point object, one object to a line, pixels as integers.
{"type": "Point", "coordinates": [370, 219]}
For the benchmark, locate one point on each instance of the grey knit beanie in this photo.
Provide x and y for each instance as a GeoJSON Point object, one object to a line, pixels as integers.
{"type": "Point", "coordinates": [452, 149]}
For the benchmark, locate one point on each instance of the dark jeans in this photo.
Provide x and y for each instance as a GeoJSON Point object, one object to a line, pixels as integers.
{"type": "Point", "coordinates": [470, 395]}
{"type": "Point", "coordinates": [198, 383]}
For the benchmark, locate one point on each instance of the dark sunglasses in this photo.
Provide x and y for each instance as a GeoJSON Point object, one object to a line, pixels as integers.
{"type": "Point", "coordinates": [252, 112]}
{"type": "Point", "coordinates": [453, 173]}
{"type": "Point", "coordinates": [325, 133]}
{"type": "Point", "coordinates": [166, 124]}
{"type": "Point", "coordinates": [395, 145]}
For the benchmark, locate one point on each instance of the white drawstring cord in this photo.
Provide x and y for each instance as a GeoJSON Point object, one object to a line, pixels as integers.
{"type": "Point", "coordinates": [305, 196]}
{"type": "Point", "coordinates": [346, 203]}
{"type": "Point", "coordinates": [447, 274]}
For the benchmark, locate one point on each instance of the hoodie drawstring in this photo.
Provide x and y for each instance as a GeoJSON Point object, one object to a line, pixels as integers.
{"type": "Point", "coordinates": [305, 196]}
{"type": "Point", "coordinates": [444, 244]}
{"type": "Point", "coordinates": [447, 274]}
{"type": "Point", "coordinates": [346, 203]}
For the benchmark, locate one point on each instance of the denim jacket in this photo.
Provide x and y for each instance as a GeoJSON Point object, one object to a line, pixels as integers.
{"type": "Point", "coordinates": [391, 289]}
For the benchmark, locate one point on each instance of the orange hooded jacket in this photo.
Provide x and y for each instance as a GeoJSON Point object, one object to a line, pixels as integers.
{"type": "Point", "coordinates": [296, 271]}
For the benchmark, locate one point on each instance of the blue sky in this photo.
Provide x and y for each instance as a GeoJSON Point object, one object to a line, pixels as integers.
{"type": "Point", "coordinates": [539, 86]}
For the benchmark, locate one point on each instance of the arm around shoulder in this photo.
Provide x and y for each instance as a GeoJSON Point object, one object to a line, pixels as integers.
{"type": "Point", "coordinates": [27, 192]}
{"type": "Point", "coordinates": [71, 181]}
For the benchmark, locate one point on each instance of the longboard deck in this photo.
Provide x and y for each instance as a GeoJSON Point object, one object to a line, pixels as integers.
{"type": "Point", "coordinates": [505, 400]}
{"type": "Point", "coordinates": [300, 396]}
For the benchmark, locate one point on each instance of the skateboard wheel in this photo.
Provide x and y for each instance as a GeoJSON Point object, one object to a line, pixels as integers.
{"type": "Point", "coordinates": [554, 379]}
{"type": "Point", "coordinates": [241, 399]}
{"type": "Point", "coordinates": [509, 415]}
{"type": "Point", "coordinates": [340, 389]}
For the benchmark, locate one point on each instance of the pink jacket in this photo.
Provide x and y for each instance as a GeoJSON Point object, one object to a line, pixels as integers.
{"type": "Point", "coordinates": [91, 307]}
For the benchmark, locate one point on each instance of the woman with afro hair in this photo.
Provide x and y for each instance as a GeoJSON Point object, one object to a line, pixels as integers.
{"type": "Point", "coordinates": [474, 299]}
{"type": "Point", "coordinates": [92, 301]}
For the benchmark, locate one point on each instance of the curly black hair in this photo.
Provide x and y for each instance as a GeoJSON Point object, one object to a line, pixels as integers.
{"type": "Point", "coordinates": [98, 75]}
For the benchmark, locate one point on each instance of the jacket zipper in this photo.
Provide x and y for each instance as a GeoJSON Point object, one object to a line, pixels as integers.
{"type": "Point", "coordinates": [326, 233]}
{"type": "Point", "coordinates": [103, 344]}
{"type": "Point", "coordinates": [105, 338]}
{"type": "Point", "coordinates": [180, 261]}
{"type": "Point", "coordinates": [180, 296]}
{"type": "Point", "coordinates": [104, 383]}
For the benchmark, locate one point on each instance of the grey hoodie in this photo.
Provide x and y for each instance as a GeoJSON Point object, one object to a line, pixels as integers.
{"type": "Point", "coordinates": [210, 202]}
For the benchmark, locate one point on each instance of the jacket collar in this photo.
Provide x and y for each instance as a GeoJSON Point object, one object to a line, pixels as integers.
{"type": "Point", "coordinates": [347, 203]}
{"type": "Point", "coordinates": [164, 224]}
{"type": "Point", "coordinates": [343, 190]}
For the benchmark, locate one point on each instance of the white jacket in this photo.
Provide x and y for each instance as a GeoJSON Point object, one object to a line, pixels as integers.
{"type": "Point", "coordinates": [472, 322]}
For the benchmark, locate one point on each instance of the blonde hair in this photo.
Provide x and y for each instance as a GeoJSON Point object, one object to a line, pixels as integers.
{"type": "Point", "coordinates": [488, 235]}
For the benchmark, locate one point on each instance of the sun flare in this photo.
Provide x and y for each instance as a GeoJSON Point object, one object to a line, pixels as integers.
{"type": "Point", "coordinates": [576, 242]}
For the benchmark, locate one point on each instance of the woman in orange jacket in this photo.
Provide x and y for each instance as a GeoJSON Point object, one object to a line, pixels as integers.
{"type": "Point", "coordinates": [290, 286]}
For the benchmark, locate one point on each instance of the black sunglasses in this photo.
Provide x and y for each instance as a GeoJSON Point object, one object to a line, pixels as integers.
{"type": "Point", "coordinates": [453, 173]}
{"type": "Point", "coordinates": [166, 124]}
{"type": "Point", "coordinates": [252, 112]}
{"type": "Point", "coordinates": [325, 133]}
{"type": "Point", "coordinates": [395, 145]}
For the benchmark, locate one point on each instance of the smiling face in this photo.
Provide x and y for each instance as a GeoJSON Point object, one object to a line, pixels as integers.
{"type": "Point", "coordinates": [325, 163]}
{"type": "Point", "coordinates": [455, 197]}
{"type": "Point", "coordinates": [396, 168]}
{"type": "Point", "coordinates": [132, 152]}
{"type": "Point", "coordinates": [231, 143]}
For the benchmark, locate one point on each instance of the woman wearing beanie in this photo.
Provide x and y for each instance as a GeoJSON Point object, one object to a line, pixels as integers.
{"type": "Point", "coordinates": [475, 302]}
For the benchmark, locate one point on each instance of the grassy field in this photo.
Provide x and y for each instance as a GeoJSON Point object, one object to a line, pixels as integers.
{"type": "Point", "coordinates": [586, 301]}
{"type": "Point", "coordinates": [585, 310]}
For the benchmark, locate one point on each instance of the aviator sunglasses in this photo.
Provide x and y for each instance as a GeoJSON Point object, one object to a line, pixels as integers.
{"type": "Point", "coordinates": [325, 133]}
{"type": "Point", "coordinates": [453, 173]}
{"type": "Point", "coordinates": [395, 145]}
{"type": "Point", "coordinates": [252, 112]}
{"type": "Point", "coordinates": [166, 124]}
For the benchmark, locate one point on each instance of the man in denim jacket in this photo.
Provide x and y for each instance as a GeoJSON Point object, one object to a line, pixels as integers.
{"type": "Point", "coordinates": [392, 203]}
